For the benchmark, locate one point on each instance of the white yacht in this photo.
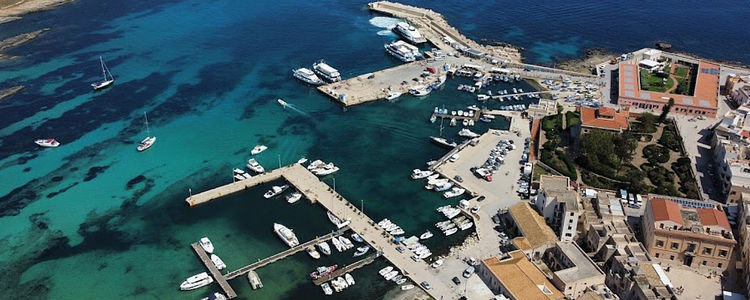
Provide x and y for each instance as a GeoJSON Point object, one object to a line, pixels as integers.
{"type": "Point", "coordinates": [338, 245]}
{"type": "Point", "coordinates": [336, 221]}
{"type": "Point", "coordinates": [148, 141]}
{"type": "Point", "coordinates": [47, 143]}
{"type": "Point", "coordinates": [425, 235]}
{"type": "Point", "coordinates": [254, 280]}
{"type": "Point", "coordinates": [252, 164]}
{"type": "Point", "coordinates": [455, 192]}
{"type": "Point", "coordinates": [326, 71]}
{"type": "Point", "coordinates": [218, 262]}
{"type": "Point", "coordinates": [215, 296]}
{"type": "Point", "coordinates": [258, 149]}
{"type": "Point", "coordinates": [349, 279]}
{"type": "Point", "coordinates": [419, 91]}
{"type": "Point", "coordinates": [286, 234]}
{"type": "Point", "coordinates": [450, 231]}
{"type": "Point", "coordinates": [315, 164]}
{"type": "Point", "coordinates": [326, 169]}
{"type": "Point", "coordinates": [311, 251]}
{"type": "Point", "coordinates": [293, 197]}
{"type": "Point", "coordinates": [196, 281]}
{"type": "Point", "coordinates": [419, 174]}
{"type": "Point", "coordinates": [385, 270]}
{"type": "Point", "coordinates": [409, 32]}
{"type": "Point", "coordinates": [392, 95]}
{"type": "Point", "coordinates": [346, 242]}
{"type": "Point", "coordinates": [403, 51]}
{"type": "Point", "coordinates": [466, 132]}
{"type": "Point", "coordinates": [443, 142]}
{"type": "Point", "coordinates": [282, 102]}
{"type": "Point", "coordinates": [275, 191]}
{"type": "Point", "coordinates": [324, 248]}
{"type": "Point", "coordinates": [207, 245]}
{"type": "Point", "coordinates": [307, 76]}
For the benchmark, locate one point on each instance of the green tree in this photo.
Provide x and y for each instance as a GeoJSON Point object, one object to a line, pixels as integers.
{"type": "Point", "coordinates": [665, 110]}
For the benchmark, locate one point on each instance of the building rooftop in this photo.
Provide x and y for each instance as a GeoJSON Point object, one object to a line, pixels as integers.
{"type": "Point", "coordinates": [532, 225]}
{"type": "Point", "coordinates": [580, 266]}
{"type": "Point", "coordinates": [554, 182]}
{"type": "Point", "coordinates": [604, 118]}
{"type": "Point", "coordinates": [666, 210]}
{"type": "Point", "coordinates": [706, 87]}
{"type": "Point", "coordinates": [521, 278]}
{"type": "Point", "coordinates": [713, 217]}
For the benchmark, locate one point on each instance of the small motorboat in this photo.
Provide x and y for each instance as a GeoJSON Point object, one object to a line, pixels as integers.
{"type": "Point", "coordinates": [327, 289]}
{"type": "Point", "coordinates": [282, 102]}
{"type": "Point", "coordinates": [361, 251]}
{"type": "Point", "coordinates": [47, 143]}
{"type": "Point", "coordinates": [196, 281]}
{"type": "Point", "coordinates": [390, 275]}
{"type": "Point", "coordinates": [392, 95]}
{"type": "Point", "coordinates": [302, 160]}
{"type": "Point", "coordinates": [311, 251]}
{"type": "Point", "coordinates": [407, 287]}
{"type": "Point", "coordinates": [218, 262]}
{"type": "Point", "coordinates": [252, 164]}
{"type": "Point", "coordinates": [275, 191]}
{"type": "Point", "coordinates": [425, 235]}
{"type": "Point", "coordinates": [258, 149]}
{"type": "Point", "coordinates": [324, 248]}
{"type": "Point", "coordinates": [357, 238]}
{"type": "Point", "coordinates": [215, 296]}
{"type": "Point", "coordinates": [207, 245]}
{"type": "Point", "coordinates": [293, 197]}
{"type": "Point", "coordinates": [254, 280]}
{"type": "Point", "coordinates": [385, 270]}
{"type": "Point", "coordinates": [349, 279]}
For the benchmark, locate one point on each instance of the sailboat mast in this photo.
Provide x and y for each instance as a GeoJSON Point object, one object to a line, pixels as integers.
{"type": "Point", "coordinates": [104, 71]}
{"type": "Point", "coordinates": [148, 132]}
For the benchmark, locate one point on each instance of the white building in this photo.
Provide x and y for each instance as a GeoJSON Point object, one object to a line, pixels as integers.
{"type": "Point", "coordinates": [559, 205]}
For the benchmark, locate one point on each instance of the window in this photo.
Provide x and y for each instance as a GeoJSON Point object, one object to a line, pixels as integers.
{"type": "Point", "coordinates": [661, 225]}
{"type": "Point", "coordinates": [657, 254]}
{"type": "Point", "coordinates": [675, 246]}
{"type": "Point", "coordinates": [671, 257]}
{"type": "Point", "coordinates": [707, 251]}
{"type": "Point", "coordinates": [674, 227]}
{"type": "Point", "coordinates": [723, 253]}
{"type": "Point", "coordinates": [659, 243]}
{"type": "Point", "coordinates": [570, 227]}
{"type": "Point", "coordinates": [703, 263]}
{"type": "Point", "coordinates": [719, 265]}
{"type": "Point", "coordinates": [571, 214]}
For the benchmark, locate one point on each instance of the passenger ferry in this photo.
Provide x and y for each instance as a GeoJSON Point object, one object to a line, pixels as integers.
{"type": "Point", "coordinates": [307, 76]}
{"type": "Point", "coordinates": [409, 33]}
{"type": "Point", "coordinates": [403, 51]}
{"type": "Point", "coordinates": [326, 71]}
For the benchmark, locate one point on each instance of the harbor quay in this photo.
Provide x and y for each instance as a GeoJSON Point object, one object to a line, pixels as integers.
{"type": "Point", "coordinates": [316, 191]}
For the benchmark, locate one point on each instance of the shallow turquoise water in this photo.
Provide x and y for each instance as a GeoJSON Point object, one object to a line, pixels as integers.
{"type": "Point", "coordinates": [95, 219]}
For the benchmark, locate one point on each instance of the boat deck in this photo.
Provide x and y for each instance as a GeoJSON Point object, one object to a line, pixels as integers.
{"type": "Point", "coordinates": [215, 273]}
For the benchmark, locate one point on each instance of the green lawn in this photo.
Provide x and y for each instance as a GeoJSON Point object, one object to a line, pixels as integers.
{"type": "Point", "coordinates": [680, 71]}
{"type": "Point", "coordinates": [572, 119]}
{"type": "Point", "coordinates": [654, 83]}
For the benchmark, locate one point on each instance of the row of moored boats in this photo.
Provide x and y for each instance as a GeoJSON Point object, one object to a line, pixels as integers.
{"type": "Point", "coordinates": [455, 222]}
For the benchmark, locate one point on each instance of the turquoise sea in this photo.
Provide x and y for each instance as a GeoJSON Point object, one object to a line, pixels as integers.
{"type": "Point", "coordinates": [94, 219]}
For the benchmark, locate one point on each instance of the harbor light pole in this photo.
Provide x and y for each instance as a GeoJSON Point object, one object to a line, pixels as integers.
{"type": "Point", "coordinates": [362, 205]}
{"type": "Point", "coordinates": [279, 161]}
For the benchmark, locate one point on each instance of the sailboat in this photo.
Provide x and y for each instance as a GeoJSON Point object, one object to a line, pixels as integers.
{"type": "Point", "coordinates": [440, 140]}
{"type": "Point", "coordinates": [105, 82]}
{"type": "Point", "coordinates": [149, 140]}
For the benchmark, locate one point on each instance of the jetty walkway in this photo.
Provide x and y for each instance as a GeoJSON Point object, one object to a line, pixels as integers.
{"type": "Point", "coordinates": [346, 269]}
{"type": "Point", "coordinates": [318, 192]}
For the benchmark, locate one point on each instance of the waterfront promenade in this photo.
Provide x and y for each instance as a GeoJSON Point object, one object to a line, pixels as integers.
{"type": "Point", "coordinates": [318, 192]}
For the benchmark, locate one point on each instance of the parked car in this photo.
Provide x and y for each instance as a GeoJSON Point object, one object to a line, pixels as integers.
{"type": "Point", "coordinates": [425, 285]}
{"type": "Point", "coordinates": [456, 280]}
{"type": "Point", "coordinates": [468, 272]}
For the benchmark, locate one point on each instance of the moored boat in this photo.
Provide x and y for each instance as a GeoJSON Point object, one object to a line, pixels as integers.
{"type": "Point", "coordinates": [324, 248]}
{"type": "Point", "coordinates": [311, 251]}
{"type": "Point", "coordinates": [47, 143]}
{"type": "Point", "coordinates": [218, 262]}
{"type": "Point", "coordinates": [207, 245]}
{"type": "Point", "coordinates": [286, 234]}
{"type": "Point", "coordinates": [336, 221]}
{"type": "Point", "coordinates": [407, 287]}
{"type": "Point", "coordinates": [196, 281]}
{"type": "Point", "coordinates": [443, 142]}
{"type": "Point", "coordinates": [252, 164]}
{"type": "Point", "coordinates": [258, 149]}
{"type": "Point", "coordinates": [425, 235]}
{"type": "Point", "coordinates": [293, 197]}
{"type": "Point", "coordinates": [307, 76]}
{"type": "Point", "coordinates": [108, 78]}
{"type": "Point", "coordinates": [327, 289]}
{"type": "Point", "coordinates": [275, 191]}
{"type": "Point", "coordinates": [361, 251]}
{"type": "Point", "coordinates": [323, 271]}
{"type": "Point", "coordinates": [254, 280]}
{"type": "Point", "coordinates": [409, 32]}
{"type": "Point", "coordinates": [326, 71]}
{"type": "Point", "coordinates": [349, 279]}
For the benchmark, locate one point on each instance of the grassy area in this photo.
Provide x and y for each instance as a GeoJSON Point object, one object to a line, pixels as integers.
{"type": "Point", "coordinates": [681, 71]}
{"type": "Point", "coordinates": [538, 172]}
{"type": "Point", "coordinates": [655, 83]}
{"type": "Point", "coordinates": [572, 119]}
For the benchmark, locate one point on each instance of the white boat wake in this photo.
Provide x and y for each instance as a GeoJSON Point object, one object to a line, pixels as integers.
{"type": "Point", "coordinates": [386, 23]}
{"type": "Point", "coordinates": [294, 108]}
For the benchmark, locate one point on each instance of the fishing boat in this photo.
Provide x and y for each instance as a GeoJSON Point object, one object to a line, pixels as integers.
{"type": "Point", "coordinates": [466, 132]}
{"type": "Point", "coordinates": [108, 78]}
{"type": "Point", "coordinates": [218, 262]}
{"type": "Point", "coordinates": [419, 174]}
{"type": "Point", "coordinates": [392, 95]}
{"type": "Point", "coordinates": [282, 102]}
{"type": "Point", "coordinates": [336, 221]}
{"type": "Point", "coordinates": [443, 142]}
{"type": "Point", "coordinates": [390, 275]}
{"type": "Point", "coordinates": [407, 287]}
{"type": "Point", "coordinates": [302, 160]}
{"type": "Point", "coordinates": [149, 140]}
{"type": "Point", "coordinates": [252, 164]}
{"type": "Point", "coordinates": [323, 271]}
{"type": "Point", "coordinates": [196, 281]}
{"type": "Point", "coordinates": [275, 191]}
{"type": "Point", "coordinates": [401, 281]}
{"type": "Point", "coordinates": [293, 197]}
{"type": "Point", "coordinates": [207, 245]}
{"type": "Point", "coordinates": [324, 248]}
{"type": "Point", "coordinates": [286, 234]}
{"type": "Point", "coordinates": [311, 251]}
{"type": "Point", "coordinates": [349, 279]}
{"type": "Point", "coordinates": [425, 235]}
{"type": "Point", "coordinates": [258, 149]}
{"type": "Point", "coordinates": [254, 280]}
{"type": "Point", "coordinates": [347, 243]}
{"type": "Point", "coordinates": [419, 91]}
{"type": "Point", "coordinates": [47, 143]}
{"type": "Point", "coordinates": [450, 231]}
{"type": "Point", "coordinates": [361, 251]}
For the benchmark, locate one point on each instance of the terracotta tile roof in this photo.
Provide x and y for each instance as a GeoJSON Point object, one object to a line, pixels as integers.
{"type": "Point", "coordinates": [592, 117]}
{"type": "Point", "coordinates": [666, 210]}
{"type": "Point", "coordinates": [707, 83]}
{"type": "Point", "coordinates": [704, 97]}
{"type": "Point", "coordinates": [712, 217]}
{"type": "Point", "coordinates": [522, 243]}
{"type": "Point", "coordinates": [521, 278]}
{"type": "Point", "coordinates": [532, 225]}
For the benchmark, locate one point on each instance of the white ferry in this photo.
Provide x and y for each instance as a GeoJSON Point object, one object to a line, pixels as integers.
{"type": "Point", "coordinates": [403, 51]}
{"type": "Point", "coordinates": [326, 71]}
{"type": "Point", "coordinates": [409, 33]}
{"type": "Point", "coordinates": [307, 76]}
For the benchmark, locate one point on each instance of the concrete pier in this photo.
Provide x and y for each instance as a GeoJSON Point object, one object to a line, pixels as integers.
{"type": "Point", "coordinates": [228, 291]}
{"type": "Point", "coordinates": [346, 269]}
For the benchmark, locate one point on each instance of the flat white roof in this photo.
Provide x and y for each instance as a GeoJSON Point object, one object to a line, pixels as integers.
{"type": "Point", "coordinates": [648, 63]}
{"type": "Point", "coordinates": [662, 275]}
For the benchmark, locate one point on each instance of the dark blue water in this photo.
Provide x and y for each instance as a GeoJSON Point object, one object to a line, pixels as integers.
{"type": "Point", "coordinates": [95, 219]}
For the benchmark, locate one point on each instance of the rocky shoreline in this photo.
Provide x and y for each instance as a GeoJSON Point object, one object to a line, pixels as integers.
{"type": "Point", "coordinates": [587, 63]}
{"type": "Point", "coordinates": [15, 10]}
{"type": "Point", "coordinates": [10, 91]}
{"type": "Point", "coordinates": [16, 41]}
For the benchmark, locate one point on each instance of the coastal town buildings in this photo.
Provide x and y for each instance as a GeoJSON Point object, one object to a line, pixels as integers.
{"type": "Point", "coordinates": [522, 220]}
{"type": "Point", "coordinates": [605, 118]}
{"type": "Point", "coordinates": [515, 277]}
{"type": "Point", "coordinates": [743, 225]}
{"type": "Point", "coordinates": [687, 232]}
{"type": "Point", "coordinates": [542, 109]}
{"type": "Point", "coordinates": [738, 89]}
{"type": "Point", "coordinates": [571, 270]}
{"type": "Point", "coordinates": [702, 102]}
{"type": "Point", "coordinates": [731, 154]}
{"type": "Point", "coordinates": [559, 205]}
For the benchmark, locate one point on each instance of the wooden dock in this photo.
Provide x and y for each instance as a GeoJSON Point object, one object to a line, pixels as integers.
{"type": "Point", "coordinates": [348, 268]}
{"type": "Point", "coordinates": [284, 254]}
{"type": "Point", "coordinates": [218, 277]}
